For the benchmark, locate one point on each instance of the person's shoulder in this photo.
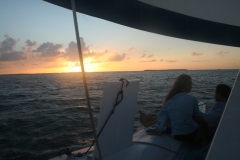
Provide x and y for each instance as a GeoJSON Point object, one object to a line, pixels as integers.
{"type": "Point", "coordinates": [188, 95]}
{"type": "Point", "coordinates": [223, 104]}
{"type": "Point", "coordinates": [219, 104]}
{"type": "Point", "coordinates": [191, 97]}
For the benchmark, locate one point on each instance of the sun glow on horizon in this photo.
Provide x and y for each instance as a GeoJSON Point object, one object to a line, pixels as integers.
{"type": "Point", "coordinates": [76, 67]}
{"type": "Point", "coordinates": [107, 48]}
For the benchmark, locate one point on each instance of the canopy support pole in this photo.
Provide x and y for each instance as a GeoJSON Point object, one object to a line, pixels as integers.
{"type": "Point", "coordinates": [84, 76]}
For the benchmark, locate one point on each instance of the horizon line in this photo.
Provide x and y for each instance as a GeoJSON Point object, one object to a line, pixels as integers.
{"type": "Point", "coordinates": [122, 71]}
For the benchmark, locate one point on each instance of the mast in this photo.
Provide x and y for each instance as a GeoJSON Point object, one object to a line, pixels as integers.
{"type": "Point", "coordinates": [84, 76]}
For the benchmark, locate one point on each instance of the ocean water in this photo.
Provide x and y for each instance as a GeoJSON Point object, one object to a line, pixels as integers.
{"type": "Point", "coordinates": [43, 113]}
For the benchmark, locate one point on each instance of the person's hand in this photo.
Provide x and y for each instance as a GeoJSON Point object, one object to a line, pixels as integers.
{"type": "Point", "coordinates": [158, 133]}
{"type": "Point", "coordinates": [145, 120]}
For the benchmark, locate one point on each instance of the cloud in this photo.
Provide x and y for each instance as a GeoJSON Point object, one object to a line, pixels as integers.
{"type": "Point", "coordinates": [7, 52]}
{"type": "Point", "coordinates": [94, 54]}
{"type": "Point", "coordinates": [4, 65]}
{"type": "Point", "coordinates": [30, 43]}
{"type": "Point", "coordinates": [171, 61]}
{"type": "Point", "coordinates": [8, 44]}
{"type": "Point", "coordinates": [201, 61]}
{"type": "Point", "coordinates": [150, 56]}
{"type": "Point", "coordinates": [95, 62]}
{"type": "Point", "coordinates": [196, 61]}
{"type": "Point", "coordinates": [49, 50]}
{"type": "Point", "coordinates": [13, 56]}
{"type": "Point", "coordinates": [72, 47]}
{"type": "Point", "coordinates": [222, 53]}
{"type": "Point", "coordinates": [72, 51]}
{"type": "Point", "coordinates": [55, 65]}
{"type": "Point", "coordinates": [117, 57]}
{"type": "Point", "coordinates": [143, 56]}
{"type": "Point", "coordinates": [196, 54]}
{"type": "Point", "coordinates": [161, 60]}
{"type": "Point", "coordinates": [76, 64]}
{"type": "Point", "coordinates": [153, 60]}
{"type": "Point", "coordinates": [132, 49]}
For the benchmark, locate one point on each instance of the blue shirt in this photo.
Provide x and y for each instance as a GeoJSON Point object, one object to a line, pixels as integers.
{"type": "Point", "coordinates": [214, 115]}
{"type": "Point", "coordinates": [178, 111]}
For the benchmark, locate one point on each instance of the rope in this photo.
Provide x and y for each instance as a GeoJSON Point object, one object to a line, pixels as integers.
{"type": "Point", "coordinates": [120, 93]}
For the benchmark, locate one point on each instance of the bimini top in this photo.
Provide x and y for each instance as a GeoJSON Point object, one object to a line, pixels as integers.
{"type": "Point", "coordinates": [215, 21]}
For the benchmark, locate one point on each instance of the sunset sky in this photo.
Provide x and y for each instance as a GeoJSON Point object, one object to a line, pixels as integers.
{"type": "Point", "coordinates": [38, 37]}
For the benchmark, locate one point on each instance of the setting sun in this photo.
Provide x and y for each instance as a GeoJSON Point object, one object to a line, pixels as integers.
{"type": "Point", "coordinates": [76, 67]}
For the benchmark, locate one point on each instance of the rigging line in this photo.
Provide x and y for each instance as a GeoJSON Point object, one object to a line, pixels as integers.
{"type": "Point", "coordinates": [84, 76]}
{"type": "Point", "coordinates": [82, 10]}
{"type": "Point", "coordinates": [205, 11]}
{"type": "Point", "coordinates": [170, 149]}
{"type": "Point", "coordinates": [112, 112]}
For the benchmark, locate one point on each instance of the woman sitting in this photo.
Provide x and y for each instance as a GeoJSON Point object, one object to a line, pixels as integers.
{"type": "Point", "coordinates": [178, 110]}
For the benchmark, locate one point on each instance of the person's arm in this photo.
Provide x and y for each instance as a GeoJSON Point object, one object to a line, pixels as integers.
{"type": "Point", "coordinates": [155, 133]}
{"type": "Point", "coordinates": [163, 119]}
{"type": "Point", "coordinates": [212, 117]}
{"type": "Point", "coordinates": [196, 111]}
{"type": "Point", "coordinates": [148, 123]}
{"type": "Point", "coordinates": [197, 115]}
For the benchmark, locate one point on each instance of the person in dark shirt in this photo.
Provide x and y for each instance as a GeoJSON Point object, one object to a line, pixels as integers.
{"type": "Point", "coordinates": [212, 118]}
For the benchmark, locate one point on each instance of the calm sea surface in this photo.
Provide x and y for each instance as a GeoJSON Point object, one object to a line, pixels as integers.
{"type": "Point", "coordinates": [43, 113]}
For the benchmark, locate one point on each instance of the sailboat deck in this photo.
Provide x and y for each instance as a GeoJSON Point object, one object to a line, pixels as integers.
{"type": "Point", "coordinates": [144, 147]}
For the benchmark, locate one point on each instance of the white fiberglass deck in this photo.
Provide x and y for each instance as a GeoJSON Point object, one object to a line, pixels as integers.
{"type": "Point", "coordinates": [144, 147]}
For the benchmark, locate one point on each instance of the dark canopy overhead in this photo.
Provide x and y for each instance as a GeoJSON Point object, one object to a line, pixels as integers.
{"type": "Point", "coordinates": [202, 21]}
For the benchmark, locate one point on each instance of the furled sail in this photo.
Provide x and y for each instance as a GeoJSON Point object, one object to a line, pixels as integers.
{"type": "Point", "coordinates": [215, 21]}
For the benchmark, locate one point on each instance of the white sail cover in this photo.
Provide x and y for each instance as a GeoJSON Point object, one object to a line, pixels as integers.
{"type": "Point", "coordinates": [215, 21]}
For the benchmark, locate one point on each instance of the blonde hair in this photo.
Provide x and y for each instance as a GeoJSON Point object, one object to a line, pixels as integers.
{"type": "Point", "coordinates": [183, 83]}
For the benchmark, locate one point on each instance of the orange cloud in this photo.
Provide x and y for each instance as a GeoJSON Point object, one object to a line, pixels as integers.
{"type": "Point", "coordinates": [153, 60]}
{"type": "Point", "coordinates": [201, 61]}
{"type": "Point", "coordinates": [171, 61]}
{"type": "Point", "coordinates": [143, 55]}
{"type": "Point", "coordinates": [222, 53]}
{"type": "Point", "coordinates": [132, 49]}
{"type": "Point", "coordinates": [117, 57]}
{"type": "Point", "coordinates": [150, 56]}
{"type": "Point", "coordinates": [196, 54]}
